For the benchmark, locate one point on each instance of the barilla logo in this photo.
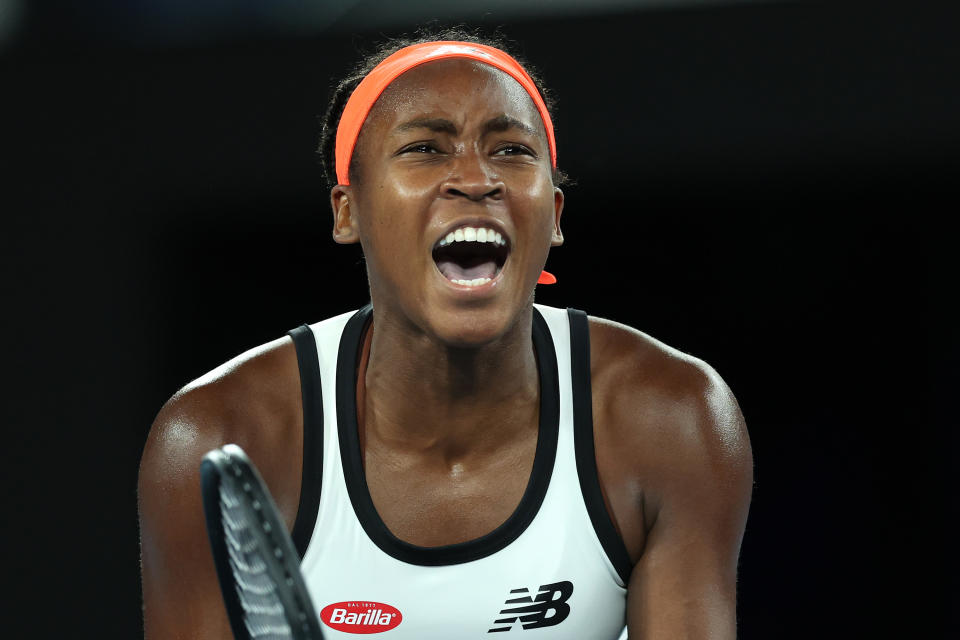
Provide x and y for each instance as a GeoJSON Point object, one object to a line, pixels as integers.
{"type": "Point", "coordinates": [359, 616]}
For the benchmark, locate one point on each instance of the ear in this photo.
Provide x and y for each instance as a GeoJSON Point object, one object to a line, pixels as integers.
{"type": "Point", "coordinates": [557, 238]}
{"type": "Point", "coordinates": [345, 230]}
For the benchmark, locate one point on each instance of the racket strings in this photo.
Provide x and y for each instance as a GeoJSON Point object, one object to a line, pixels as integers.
{"type": "Point", "coordinates": [264, 614]}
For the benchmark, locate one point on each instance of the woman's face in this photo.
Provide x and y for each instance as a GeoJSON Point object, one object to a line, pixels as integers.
{"type": "Point", "coordinates": [451, 149]}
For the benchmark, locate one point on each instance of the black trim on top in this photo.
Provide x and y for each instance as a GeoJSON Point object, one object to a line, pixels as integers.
{"type": "Point", "coordinates": [583, 443]}
{"type": "Point", "coordinates": [312, 398]}
{"type": "Point", "coordinates": [351, 456]}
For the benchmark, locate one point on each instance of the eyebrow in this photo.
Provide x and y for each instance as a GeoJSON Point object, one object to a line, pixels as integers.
{"type": "Point", "coordinates": [437, 125]}
{"type": "Point", "coordinates": [442, 125]}
{"type": "Point", "coordinates": [504, 123]}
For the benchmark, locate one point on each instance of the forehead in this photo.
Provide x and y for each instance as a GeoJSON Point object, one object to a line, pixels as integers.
{"type": "Point", "coordinates": [455, 88]}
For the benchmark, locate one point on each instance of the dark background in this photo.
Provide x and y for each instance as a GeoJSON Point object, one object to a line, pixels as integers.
{"type": "Point", "coordinates": [768, 186]}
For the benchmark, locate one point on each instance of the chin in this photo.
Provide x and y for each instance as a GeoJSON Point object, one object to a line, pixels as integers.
{"type": "Point", "coordinates": [470, 328]}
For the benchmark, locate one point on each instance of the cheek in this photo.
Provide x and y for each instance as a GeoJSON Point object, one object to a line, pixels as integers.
{"type": "Point", "coordinates": [397, 203]}
{"type": "Point", "coordinates": [407, 186]}
{"type": "Point", "coordinates": [538, 198]}
{"type": "Point", "coordinates": [381, 236]}
{"type": "Point", "coordinates": [391, 228]}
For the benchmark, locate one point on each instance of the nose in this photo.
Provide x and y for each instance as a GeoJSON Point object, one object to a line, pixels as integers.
{"type": "Point", "coordinates": [471, 177]}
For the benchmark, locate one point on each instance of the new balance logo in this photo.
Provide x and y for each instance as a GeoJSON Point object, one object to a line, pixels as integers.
{"type": "Point", "coordinates": [547, 609]}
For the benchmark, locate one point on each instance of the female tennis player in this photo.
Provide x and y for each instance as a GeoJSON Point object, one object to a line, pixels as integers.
{"type": "Point", "coordinates": [454, 460]}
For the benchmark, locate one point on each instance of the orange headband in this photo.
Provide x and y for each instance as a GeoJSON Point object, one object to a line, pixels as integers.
{"type": "Point", "coordinates": [370, 88]}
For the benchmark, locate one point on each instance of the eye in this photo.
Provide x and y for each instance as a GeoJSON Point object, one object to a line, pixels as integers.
{"type": "Point", "coordinates": [514, 150]}
{"type": "Point", "coordinates": [420, 147]}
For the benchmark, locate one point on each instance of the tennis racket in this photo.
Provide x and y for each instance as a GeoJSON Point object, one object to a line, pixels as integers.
{"type": "Point", "coordinates": [257, 565]}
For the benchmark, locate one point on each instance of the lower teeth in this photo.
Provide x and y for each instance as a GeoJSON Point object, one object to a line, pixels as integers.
{"type": "Point", "coordinates": [472, 283]}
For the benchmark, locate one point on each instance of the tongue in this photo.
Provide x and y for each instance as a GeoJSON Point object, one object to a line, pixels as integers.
{"type": "Point", "coordinates": [455, 271]}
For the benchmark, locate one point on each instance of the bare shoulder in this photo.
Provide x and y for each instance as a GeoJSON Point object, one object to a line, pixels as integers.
{"type": "Point", "coordinates": [639, 373]}
{"type": "Point", "coordinates": [665, 420]}
{"type": "Point", "coordinates": [254, 401]}
{"type": "Point", "coordinates": [244, 401]}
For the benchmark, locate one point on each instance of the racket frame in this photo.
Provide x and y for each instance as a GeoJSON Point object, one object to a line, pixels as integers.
{"type": "Point", "coordinates": [229, 464]}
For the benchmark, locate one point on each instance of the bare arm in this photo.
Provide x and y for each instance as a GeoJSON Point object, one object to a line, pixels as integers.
{"type": "Point", "coordinates": [684, 584]}
{"type": "Point", "coordinates": [253, 401]}
{"type": "Point", "coordinates": [180, 590]}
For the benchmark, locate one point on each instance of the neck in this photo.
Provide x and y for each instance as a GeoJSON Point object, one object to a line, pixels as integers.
{"type": "Point", "coordinates": [424, 396]}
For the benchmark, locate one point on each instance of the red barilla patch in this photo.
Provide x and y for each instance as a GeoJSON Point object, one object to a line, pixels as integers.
{"type": "Point", "coordinates": [360, 616]}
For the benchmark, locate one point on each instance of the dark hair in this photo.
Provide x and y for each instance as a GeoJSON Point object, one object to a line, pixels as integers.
{"type": "Point", "coordinates": [345, 87]}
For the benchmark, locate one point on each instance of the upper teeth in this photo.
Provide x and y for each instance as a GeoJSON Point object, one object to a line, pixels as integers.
{"type": "Point", "coordinates": [472, 234]}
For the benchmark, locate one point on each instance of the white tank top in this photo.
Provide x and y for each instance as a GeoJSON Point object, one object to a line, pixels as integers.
{"type": "Point", "coordinates": [555, 569]}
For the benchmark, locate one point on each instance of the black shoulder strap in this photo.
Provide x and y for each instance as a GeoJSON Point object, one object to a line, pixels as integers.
{"type": "Point", "coordinates": [583, 443]}
{"type": "Point", "coordinates": [312, 398]}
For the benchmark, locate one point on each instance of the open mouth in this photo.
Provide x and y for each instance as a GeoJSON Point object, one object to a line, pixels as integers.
{"type": "Point", "coordinates": [471, 256]}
